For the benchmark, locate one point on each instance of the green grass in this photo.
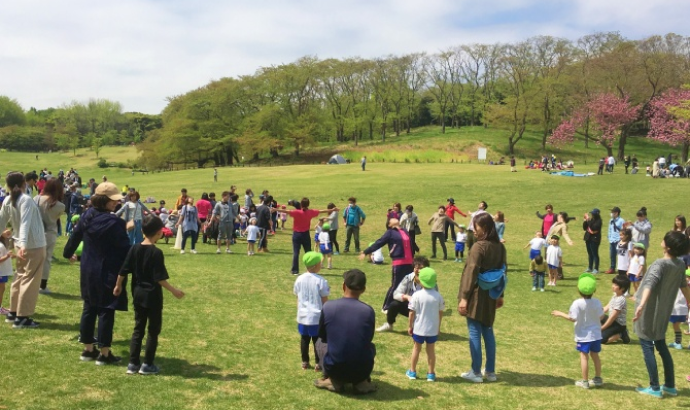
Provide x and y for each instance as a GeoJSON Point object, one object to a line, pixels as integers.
{"type": "Point", "coordinates": [232, 342]}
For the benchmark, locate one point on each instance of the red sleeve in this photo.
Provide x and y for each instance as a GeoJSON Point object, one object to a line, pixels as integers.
{"type": "Point", "coordinates": [312, 213]}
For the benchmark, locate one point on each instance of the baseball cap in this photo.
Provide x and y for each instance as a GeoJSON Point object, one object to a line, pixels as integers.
{"type": "Point", "coordinates": [462, 226]}
{"type": "Point", "coordinates": [427, 277]}
{"type": "Point", "coordinates": [75, 219]}
{"type": "Point", "coordinates": [312, 259]}
{"type": "Point", "coordinates": [326, 226]}
{"type": "Point", "coordinates": [110, 190]}
{"type": "Point", "coordinates": [595, 211]}
{"type": "Point", "coordinates": [587, 284]}
{"type": "Point", "coordinates": [355, 279]}
{"type": "Point", "coordinates": [451, 200]}
{"type": "Point", "coordinates": [616, 209]}
{"type": "Point", "coordinates": [639, 245]}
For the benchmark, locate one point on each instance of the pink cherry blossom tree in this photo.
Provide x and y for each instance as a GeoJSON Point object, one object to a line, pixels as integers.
{"type": "Point", "coordinates": [669, 119]}
{"type": "Point", "coordinates": [605, 115]}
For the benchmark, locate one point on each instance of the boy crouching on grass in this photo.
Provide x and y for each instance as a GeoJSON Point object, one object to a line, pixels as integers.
{"type": "Point", "coordinates": [426, 311]}
{"type": "Point", "coordinates": [586, 312]}
{"type": "Point", "coordinates": [149, 275]}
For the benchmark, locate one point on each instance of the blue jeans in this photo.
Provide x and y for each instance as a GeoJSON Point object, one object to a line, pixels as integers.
{"type": "Point", "coordinates": [593, 254]}
{"type": "Point", "coordinates": [190, 234]}
{"type": "Point", "coordinates": [299, 240]}
{"type": "Point", "coordinates": [538, 280]}
{"type": "Point", "coordinates": [477, 332]}
{"type": "Point", "coordinates": [135, 235]}
{"type": "Point", "coordinates": [613, 252]}
{"type": "Point", "coordinates": [650, 360]}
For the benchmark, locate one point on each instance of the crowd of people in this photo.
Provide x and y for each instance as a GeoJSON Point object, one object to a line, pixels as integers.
{"type": "Point", "coordinates": [117, 234]}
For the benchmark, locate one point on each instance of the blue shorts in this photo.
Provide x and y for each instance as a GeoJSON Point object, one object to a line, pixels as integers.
{"type": "Point", "coordinates": [251, 241]}
{"type": "Point", "coordinates": [4, 279]}
{"type": "Point", "coordinates": [634, 278]}
{"type": "Point", "coordinates": [459, 246]}
{"type": "Point", "coordinates": [586, 347]}
{"type": "Point", "coordinates": [325, 251]}
{"type": "Point", "coordinates": [678, 319]}
{"type": "Point", "coordinates": [316, 238]}
{"type": "Point", "coordinates": [533, 253]}
{"type": "Point", "coordinates": [308, 330]}
{"type": "Point", "coordinates": [421, 339]}
{"type": "Point", "coordinates": [553, 267]}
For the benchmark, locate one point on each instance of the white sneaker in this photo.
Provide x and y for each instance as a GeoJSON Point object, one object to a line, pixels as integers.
{"type": "Point", "coordinates": [182, 252]}
{"type": "Point", "coordinates": [386, 327]}
{"type": "Point", "coordinates": [194, 251]}
{"type": "Point", "coordinates": [541, 290]}
{"type": "Point", "coordinates": [228, 250]}
{"type": "Point", "coordinates": [249, 254]}
{"type": "Point", "coordinates": [217, 250]}
{"type": "Point", "coordinates": [533, 289]}
{"type": "Point", "coordinates": [490, 377]}
{"type": "Point", "coordinates": [45, 291]}
{"type": "Point", "coordinates": [473, 377]}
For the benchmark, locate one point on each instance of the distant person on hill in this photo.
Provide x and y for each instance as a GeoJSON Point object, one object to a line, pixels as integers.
{"type": "Point", "coordinates": [602, 162]}
{"type": "Point", "coordinates": [215, 174]}
{"type": "Point", "coordinates": [364, 163]}
{"type": "Point", "coordinates": [611, 163]}
{"type": "Point", "coordinates": [512, 164]}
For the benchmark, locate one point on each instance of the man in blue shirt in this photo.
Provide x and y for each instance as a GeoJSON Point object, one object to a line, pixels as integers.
{"type": "Point", "coordinates": [354, 217]}
{"type": "Point", "coordinates": [346, 331]}
{"type": "Point", "coordinates": [615, 226]}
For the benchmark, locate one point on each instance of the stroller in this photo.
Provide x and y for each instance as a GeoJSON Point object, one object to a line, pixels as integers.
{"type": "Point", "coordinates": [211, 231]}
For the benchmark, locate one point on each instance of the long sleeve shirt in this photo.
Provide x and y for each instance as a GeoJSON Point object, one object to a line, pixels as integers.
{"type": "Point", "coordinates": [641, 231]}
{"type": "Point", "coordinates": [437, 222]}
{"type": "Point", "coordinates": [615, 226]}
{"type": "Point", "coordinates": [26, 222]}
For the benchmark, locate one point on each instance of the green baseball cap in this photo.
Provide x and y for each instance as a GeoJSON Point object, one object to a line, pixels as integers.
{"type": "Point", "coordinates": [639, 245]}
{"type": "Point", "coordinates": [587, 284]}
{"type": "Point", "coordinates": [312, 259]}
{"type": "Point", "coordinates": [462, 226]}
{"type": "Point", "coordinates": [427, 277]}
{"type": "Point", "coordinates": [75, 218]}
{"type": "Point", "coordinates": [326, 226]}
{"type": "Point", "coordinates": [687, 272]}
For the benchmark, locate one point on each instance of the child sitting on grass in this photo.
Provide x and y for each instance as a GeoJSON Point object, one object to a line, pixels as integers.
{"type": "Point", "coordinates": [426, 311]}
{"type": "Point", "coordinates": [614, 325]}
{"type": "Point", "coordinates": [554, 258]}
{"type": "Point", "coordinates": [146, 264]}
{"type": "Point", "coordinates": [312, 292]}
{"type": "Point", "coordinates": [460, 240]}
{"type": "Point", "coordinates": [537, 268]}
{"type": "Point", "coordinates": [586, 313]}
{"type": "Point", "coordinates": [6, 271]}
{"type": "Point", "coordinates": [325, 244]}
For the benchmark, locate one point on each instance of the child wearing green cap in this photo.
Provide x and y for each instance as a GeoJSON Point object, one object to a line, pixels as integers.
{"type": "Point", "coordinates": [426, 311]}
{"type": "Point", "coordinates": [324, 240]}
{"type": "Point", "coordinates": [586, 313]}
{"type": "Point", "coordinates": [312, 292]}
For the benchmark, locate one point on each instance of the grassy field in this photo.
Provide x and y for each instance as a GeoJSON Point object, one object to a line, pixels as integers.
{"type": "Point", "coordinates": [232, 342]}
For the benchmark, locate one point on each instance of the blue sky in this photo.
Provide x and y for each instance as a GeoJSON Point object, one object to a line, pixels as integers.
{"type": "Point", "coordinates": [139, 52]}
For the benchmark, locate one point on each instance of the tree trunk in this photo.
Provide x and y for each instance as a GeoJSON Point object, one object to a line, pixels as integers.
{"type": "Point", "coordinates": [609, 150]}
{"type": "Point", "coordinates": [621, 145]}
{"type": "Point", "coordinates": [443, 122]}
{"type": "Point", "coordinates": [684, 151]}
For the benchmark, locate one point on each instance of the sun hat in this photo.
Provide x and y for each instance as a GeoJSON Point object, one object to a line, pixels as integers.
{"type": "Point", "coordinates": [110, 190]}
{"type": "Point", "coordinates": [355, 279]}
{"type": "Point", "coordinates": [587, 284]}
{"type": "Point", "coordinates": [312, 259]}
{"type": "Point", "coordinates": [639, 245]}
{"type": "Point", "coordinates": [326, 226]}
{"type": "Point", "coordinates": [427, 277]}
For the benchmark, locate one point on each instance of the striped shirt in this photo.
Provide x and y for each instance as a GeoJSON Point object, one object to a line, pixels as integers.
{"type": "Point", "coordinates": [26, 221]}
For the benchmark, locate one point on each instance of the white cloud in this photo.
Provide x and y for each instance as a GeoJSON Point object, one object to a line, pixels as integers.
{"type": "Point", "coordinates": [139, 52]}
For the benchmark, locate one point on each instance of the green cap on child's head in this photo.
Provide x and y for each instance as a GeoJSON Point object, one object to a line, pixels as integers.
{"type": "Point", "coordinates": [687, 272]}
{"type": "Point", "coordinates": [587, 284]}
{"type": "Point", "coordinates": [427, 277]}
{"type": "Point", "coordinates": [312, 259]}
{"type": "Point", "coordinates": [326, 227]}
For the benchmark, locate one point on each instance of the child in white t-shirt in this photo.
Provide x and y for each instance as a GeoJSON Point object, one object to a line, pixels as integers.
{"type": "Point", "coordinates": [426, 311]}
{"type": "Point", "coordinates": [325, 247]}
{"type": "Point", "coordinates": [586, 313]}
{"type": "Point", "coordinates": [554, 259]}
{"type": "Point", "coordinates": [460, 240]}
{"type": "Point", "coordinates": [244, 220]}
{"type": "Point", "coordinates": [312, 292]}
{"type": "Point", "coordinates": [252, 232]}
{"type": "Point", "coordinates": [679, 315]}
{"type": "Point", "coordinates": [637, 266]}
{"type": "Point", "coordinates": [624, 252]}
{"type": "Point", "coordinates": [536, 244]}
{"type": "Point", "coordinates": [5, 268]}
{"type": "Point", "coordinates": [377, 256]}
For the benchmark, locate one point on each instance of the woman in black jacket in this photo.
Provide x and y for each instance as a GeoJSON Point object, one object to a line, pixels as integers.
{"type": "Point", "coordinates": [592, 227]}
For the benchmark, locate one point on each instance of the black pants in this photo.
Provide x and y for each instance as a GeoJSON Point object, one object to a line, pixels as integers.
{"type": "Point", "coordinates": [304, 348]}
{"type": "Point", "coordinates": [154, 317]}
{"type": "Point", "coordinates": [396, 308]}
{"type": "Point", "coordinates": [106, 321]}
{"type": "Point", "coordinates": [413, 241]}
{"type": "Point", "coordinates": [299, 240]}
{"type": "Point", "coordinates": [204, 238]}
{"type": "Point", "coordinates": [398, 273]}
{"type": "Point", "coordinates": [592, 254]}
{"type": "Point", "coordinates": [452, 231]}
{"type": "Point", "coordinates": [333, 237]}
{"type": "Point", "coordinates": [615, 329]}
{"type": "Point", "coordinates": [262, 243]}
{"type": "Point", "coordinates": [440, 236]}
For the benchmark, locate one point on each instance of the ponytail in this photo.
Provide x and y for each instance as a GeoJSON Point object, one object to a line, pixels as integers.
{"type": "Point", "coordinates": [15, 182]}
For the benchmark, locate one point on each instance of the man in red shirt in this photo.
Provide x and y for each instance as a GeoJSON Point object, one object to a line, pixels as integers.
{"type": "Point", "coordinates": [451, 209]}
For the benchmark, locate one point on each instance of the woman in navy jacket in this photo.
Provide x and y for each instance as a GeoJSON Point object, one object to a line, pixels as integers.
{"type": "Point", "coordinates": [106, 244]}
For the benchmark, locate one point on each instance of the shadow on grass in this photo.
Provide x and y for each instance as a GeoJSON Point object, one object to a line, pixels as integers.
{"type": "Point", "coordinates": [63, 327]}
{"type": "Point", "coordinates": [386, 392]}
{"type": "Point", "coordinates": [180, 367]}
{"type": "Point", "coordinates": [539, 380]}
{"type": "Point", "coordinates": [451, 337]}
{"type": "Point", "coordinates": [63, 296]}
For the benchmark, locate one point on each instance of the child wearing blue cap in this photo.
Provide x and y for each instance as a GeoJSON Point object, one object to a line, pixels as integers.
{"type": "Point", "coordinates": [312, 292]}
{"type": "Point", "coordinates": [426, 310]}
{"type": "Point", "coordinates": [586, 313]}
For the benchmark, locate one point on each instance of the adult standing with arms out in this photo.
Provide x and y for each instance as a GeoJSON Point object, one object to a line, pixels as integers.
{"type": "Point", "coordinates": [400, 251]}
{"type": "Point", "coordinates": [353, 217]}
{"type": "Point", "coordinates": [301, 223]}
{"type": "Point", "coordinates": [105, 248]}
{"type": "Point", "coordinates": [51, 207]}
{"type": "Point", "coordinates": [470, 229]}
{"type": "Point", "coordinates": [614, 236]}
{"type": "Point", "coordinates": [548, 219]}
{"type": "Point", "coordinates": [653, 305]}
{"type": "Point", "coordinates": [189, 219]}
{"type": "Point", "coordinates": [437, 222]}
{"type": "Point", "coordinates": [475, 303]}
{"type": "Point", "coordinates": [410, 222]}
{"type": "Point", "coordinates": [451, 210]}
{"type": "Point", "coordinates": [592, 227]}
{"type": "Point", "coordinates": [641, 228]}
{"type": "Point", "coordinates": [30, 242]}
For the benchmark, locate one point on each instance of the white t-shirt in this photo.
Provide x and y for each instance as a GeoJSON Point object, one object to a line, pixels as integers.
{"type": "Point", "coordinates": [537, 243]}
{"type": "Point", "coordinates": [6, 265]}
{"type": "Point", "coordinates": [252, 232]}
{"type": "Point", "coordinates": [623, 258]}
{"type": "Point", "coordinates": [324, 238]}
{"type": "Point", "coordinates": [426, 303]}
{"type": "Point", "coordinates": [636, 265]}
{"type": "Point", "coordinates": [680, 307]}
{"type": "Point", "coordinates": [621, 305]}
{"type": "Point", "coordinates": [377, 256]}
{"type": "Point", "coordinates": [553, 255]}
{"type": "Point", "coordinates": [461, 237]}
{"type": "Point", "coordinates": [587, 315]}
{"type": "Point", "coordinates": [310, 288]}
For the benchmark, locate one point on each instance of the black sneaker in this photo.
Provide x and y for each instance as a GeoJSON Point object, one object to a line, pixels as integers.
{"type": "Point", "coordinates": [11, 317]}
{"type": "Point", "coordinates": [110, 359]}
{"type": "Point", "coordinates": [294, 273]}
{"type": "Point", "coordinates": [25, 323]}
{"type": "Point", "coordinates": [133, 368]}
{"type": "Point", "coordinates": [625, 337]}
{"type": "Point", "coordinates": [148, 369]}
{"type": "Point", "coordinates": [87, 356]}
